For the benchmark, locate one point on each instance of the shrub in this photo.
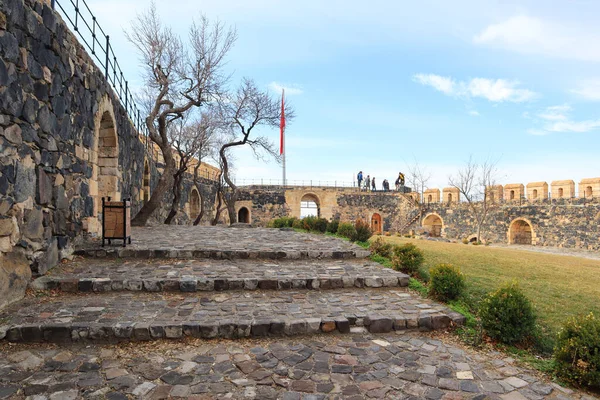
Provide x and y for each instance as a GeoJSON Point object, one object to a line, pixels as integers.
{"type": "Point", "coordinates": [507, 315]}
{"type": "Point", "coordinates": [423, 274]}
{"type": "Point", "coordinates": [577, 351]}
{"type": "Point", "coordinates": [381, 247]}
{"type": "Point", "coordinates": [447, 282]}
{"type": "Point", "coordinates": [346, 230]}
{"type": "Point", "coordinates": [363, 232]}
{"type": "Point", "coordinates": [308, 223]}
{"type": "Point", "coordinates": [298, 224]}
{"type": "Point", "coordinates": [465, 241]}
{"type": "Point", "coordinates": [283, 222]}
{"type": "Point", "coordinates": [407, 258]}
{"type": "Point", "coordinates": [320, 225]}
{"type": "Point", "coordinates": [333, 226]}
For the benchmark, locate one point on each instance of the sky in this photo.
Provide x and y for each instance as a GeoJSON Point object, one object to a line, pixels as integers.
{"type": "Point", "coordinates": [379, 85]}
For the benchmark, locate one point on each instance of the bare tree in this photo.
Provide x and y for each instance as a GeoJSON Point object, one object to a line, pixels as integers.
{"type": "Point", "coordinates": [189, 139]}
{"type": "Point", "coordinates": [223, 191]}
{"type": "Point", "coordinates": [247, 110]}
{"type": "Point", "coordinates": [474, 181]}
{"type": "Point", "coordinates": [418, 177]}
{"type": "Point", "coordinates": [177, 80]}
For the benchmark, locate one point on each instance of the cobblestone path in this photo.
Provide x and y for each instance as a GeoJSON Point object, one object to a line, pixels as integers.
{"type": "Point", "coordinates": [178, 241]}
{"type": "Point", "coordinates": [397, 366]}
{"type": "Point", "coordinates": [174, 274]}
{"type": "Point", "coordinates": [198, 312]}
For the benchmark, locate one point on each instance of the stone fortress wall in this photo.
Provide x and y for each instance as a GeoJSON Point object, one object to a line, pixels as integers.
{"type": "Point", "coordinates": [65, 142]}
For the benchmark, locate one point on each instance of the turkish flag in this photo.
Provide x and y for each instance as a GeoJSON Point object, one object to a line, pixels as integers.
{"type": "Point", "coordinates": [282, 125]}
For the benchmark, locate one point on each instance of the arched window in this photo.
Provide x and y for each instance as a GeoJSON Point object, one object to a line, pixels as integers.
{"type": "Point", "coordinates": [449, 197]}
{"type": "Point", "coordinates": [512, 194]}
{"type": "Point", "coordinates": [560, 193]}
{"type": "Point", "coordinates": [244, 215]}
{"type": "Point", "coordinates": [588, 192]}
{"type": "Point", "coordinates": [194, 203]}
{"type": "Point", "coordinates": [429, 199]}
{"type": "Point", "coordinates": [309, 206]}
{"type": "Point", "coordinates": [534, 194]}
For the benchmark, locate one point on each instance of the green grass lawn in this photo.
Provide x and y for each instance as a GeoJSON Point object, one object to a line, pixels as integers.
{"type": "Point", "coordinates": [559, 286]}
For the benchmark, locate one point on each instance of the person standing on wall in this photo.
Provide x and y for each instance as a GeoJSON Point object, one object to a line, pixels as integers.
{"type": "Point", "coordinates": [373, 184]}
{"type": "Point", "coordinates": [368, 183]}
{"type": "Point", "coordinates": [359, 178]}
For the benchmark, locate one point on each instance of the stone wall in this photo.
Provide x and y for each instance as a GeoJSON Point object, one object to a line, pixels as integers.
{"type": "Point", "coordinates": [561, 223]}
{"type": "Point", "coordinates": [65, 142]}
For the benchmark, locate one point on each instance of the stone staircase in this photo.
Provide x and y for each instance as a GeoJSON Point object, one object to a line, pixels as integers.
{"type": "Point", "coordinates": [218, 283]}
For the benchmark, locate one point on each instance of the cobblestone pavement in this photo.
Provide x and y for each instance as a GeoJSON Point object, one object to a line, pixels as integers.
{"type": "Point", "coordinates": [174, 274]}
{"type": "Point", "coordinates": [394, 366]}
{"type": "Point", "coordinates": [180, 241]}
{"type": "Point", "coordinates": [143, 316]}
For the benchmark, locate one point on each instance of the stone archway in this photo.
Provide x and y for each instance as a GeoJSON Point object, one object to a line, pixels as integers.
{"type": "Point", "coordinates": [309, 205]}
{"type": "Point", "coordinates": [244, 215]}
{"type": "Point", "coordinates": [521, 231]}
{"type": "Point", "coordinates": [194, 204]}
{"type": "Point", "coordinates": [433, 223]}
{"type": "Point", "coordinates": [376, 224]}
{"type": "Point", "coordinates": [104, 159]}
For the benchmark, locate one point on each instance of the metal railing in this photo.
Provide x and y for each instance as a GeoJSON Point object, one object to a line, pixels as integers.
{"type": "Point", "coordinates": [98, 42]}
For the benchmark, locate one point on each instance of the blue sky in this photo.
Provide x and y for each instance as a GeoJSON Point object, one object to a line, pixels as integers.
{"type": "Point", "coordinates": [378, 84]}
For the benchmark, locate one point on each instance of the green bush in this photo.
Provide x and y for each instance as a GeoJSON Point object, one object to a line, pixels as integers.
{"type": "Point", "coordinates": [346, 230]}
{"type": "Point", "coordinates": [507, 315]}
{"type": "Point", "coordinates": [333, 226]}
{"type": "Point", "coordinates": [577, 351]}
{"type": "Point", "coordinates": [407, 258]}
{"type": "Point", "coordinates": [363, 232]}
{"type": "Point", "coordinates": [298, 224]}
{"type": "Point", "coordinates": [309, 222]}
{"type": "Point", "coordinates": [283, 222]}
{"type": "Point", "coordinates": [447, 282]}
{"type": "Point", "coordinates": [381, 247]}
{"type": "Point", "coordinates": [423, 274]}
{"type": "Point", "coordinates": [320, 225]}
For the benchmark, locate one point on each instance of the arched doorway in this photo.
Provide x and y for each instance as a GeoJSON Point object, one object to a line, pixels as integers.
{"type": "Point", "coordinates": [376, 223]}
{"type": "Point", "coordinates": [560, 193]}
{"type": "Point", "coordinates": [309, 206]}
{"type": "Point", "coordinates": [146, 183]}
{"type": "Point", "coordinates": [449, 197]}
{"type": "Point", "coordinates": [589, 193]}
{"type": "Point", "coordinates": [520, 232]}
{"type": "Point", "coordinates": [194, 203]}
{"type": "Point", "coordinates": [433, 223]}
{"type": "Point", "coordinates": [244, 215]}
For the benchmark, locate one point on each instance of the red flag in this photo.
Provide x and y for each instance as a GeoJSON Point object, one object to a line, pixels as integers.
{"type": "Point", "coordinates": [282, 125]}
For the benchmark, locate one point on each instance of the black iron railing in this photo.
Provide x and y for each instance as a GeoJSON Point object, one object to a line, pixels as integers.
{"type": "Point", "coordinates": [84, 22]}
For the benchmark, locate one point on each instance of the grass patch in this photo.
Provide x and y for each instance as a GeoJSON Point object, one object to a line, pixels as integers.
{"type": "Point", "coordinates": [381, 260]}
{"type": "Point", "coordinates": [558, 286]}
{"type": "Point", "coordinates": [418, 286]}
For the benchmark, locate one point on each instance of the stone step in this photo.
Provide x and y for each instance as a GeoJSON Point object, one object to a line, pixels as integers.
{"type": "Point", "coordinates": [147, 316]}
{"type": "Point", "coordinates": [93, 275]}
{"type": "Point", "coordinates": [200, 242]}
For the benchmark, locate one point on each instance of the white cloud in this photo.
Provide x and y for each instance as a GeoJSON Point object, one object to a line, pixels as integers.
{"type": "Point", "coordinates": [555, 113]}
{"type": "Point", "coordinates": [441, 83]}
{"type": "Point", "coordinates": [589, 90]}
{"type": "Point", "coordinates": [290, 89]}
{"type": "Point", "coordinates": [474, 113]}
{"type": "Point", "coordinates": [557, 119]}
{"type": "Point", "coordinates": [530, 35]}
{"type": "Point", "coordinates": [494, 90]}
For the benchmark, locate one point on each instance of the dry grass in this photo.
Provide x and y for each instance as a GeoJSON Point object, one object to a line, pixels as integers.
{"type": "Point", "coordinates": [559, 286]}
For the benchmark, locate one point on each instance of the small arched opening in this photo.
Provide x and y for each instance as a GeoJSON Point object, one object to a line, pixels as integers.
{"type": "Point", "coordinates": [309, 206]}
{"type": "Point", "coordinates": [520, 232]}
{"type": "Point", "coordinates": [244, 215]}
{"type": "Point", "coordinates": [561, 193]}
{"type": "Point", "coordinates": [534, 194]}
{"type": "Point", "coordinates": [589, 192]}
{"type": "Point", "coordinates": [449, 197]}
{"type": "Point", "coordinates": [146, 183]}
{"type": "Point", "coordinates": [376, 223]}
{"type": "Point", "coordinates": [429, 198]}
{"type": "Point", "coordinates": [512, 194]}
{"type": "Point", "coordinates": [194, 203]}
{"type": "Point", "coordinates": [433, 224]}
